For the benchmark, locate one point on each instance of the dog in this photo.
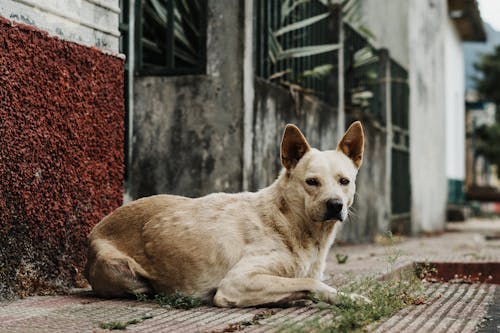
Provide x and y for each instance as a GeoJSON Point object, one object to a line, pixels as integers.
{"type": "Point", "coordinates": [235, 250]}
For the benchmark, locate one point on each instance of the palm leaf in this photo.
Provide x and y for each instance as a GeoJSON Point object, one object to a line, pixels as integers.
{"type": "Point", "coordinates": [318, 71]}
{"type": "Point", "coordinates": [307, 51]}
{"type": "Point", "coordinates": [288, 6]}
{"type": "Point", "coordinates": [300, 24]}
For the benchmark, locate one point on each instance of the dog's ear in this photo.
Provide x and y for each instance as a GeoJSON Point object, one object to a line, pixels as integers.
{"type": "Point", "coordinates": [293, 146]}
{"type": "Point", "coordinates": [352, 143]}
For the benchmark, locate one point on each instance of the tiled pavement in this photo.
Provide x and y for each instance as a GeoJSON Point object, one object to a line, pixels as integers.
{"type": "Point", "coordinates": [451, 307]}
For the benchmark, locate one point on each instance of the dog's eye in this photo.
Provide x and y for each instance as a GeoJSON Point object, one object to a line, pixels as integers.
{"type": "Point", "coordinates": [312, 181]}
{"type": "Point", "coordinates": [344, 181]}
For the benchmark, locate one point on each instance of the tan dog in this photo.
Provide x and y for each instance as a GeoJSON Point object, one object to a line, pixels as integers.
{"type": "Point", "coordinates": [236, 250]}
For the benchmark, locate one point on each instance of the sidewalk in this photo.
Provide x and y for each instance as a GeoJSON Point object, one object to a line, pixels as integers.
{"type": "Point", "coordinates": [451, 307]}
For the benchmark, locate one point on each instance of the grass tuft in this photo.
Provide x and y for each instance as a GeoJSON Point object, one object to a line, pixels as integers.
{"type": "Point", "coordinates": [177, 300]}
{"type": "Point", "coordinates": [114, 325]}
{"type": "Point", "coordinates": [388, 297]}
{"type": "Point", "coordinates": [122, 325]}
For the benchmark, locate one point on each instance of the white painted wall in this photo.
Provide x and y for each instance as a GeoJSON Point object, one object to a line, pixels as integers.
{"type": "Point", "coordinates": [420, 36]}
{"type": "Point", "coordinates": [455, 103]}
{"type": "Point", "coordinates": [427, 23]}
{"type": "Point", "coordinates": [387, 20]}
{"type": "Point", "coordinates": [88, 22]}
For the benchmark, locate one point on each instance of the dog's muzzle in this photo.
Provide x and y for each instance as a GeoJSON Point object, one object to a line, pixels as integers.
{"type": "Point", "coordinates": [334, 210]}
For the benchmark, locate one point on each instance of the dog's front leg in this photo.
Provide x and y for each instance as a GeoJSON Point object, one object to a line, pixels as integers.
{"type": "Point", "coordinates": [245, 290]}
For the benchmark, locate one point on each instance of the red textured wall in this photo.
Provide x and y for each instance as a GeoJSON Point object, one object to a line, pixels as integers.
{"type": "Point", "coordinates": [61, 155]}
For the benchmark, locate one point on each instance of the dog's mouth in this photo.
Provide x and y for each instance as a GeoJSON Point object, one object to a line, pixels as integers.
{"type": "Point", "coordinates": [338, 217]}
{"type": "Point", "coordinates": [332, 220]}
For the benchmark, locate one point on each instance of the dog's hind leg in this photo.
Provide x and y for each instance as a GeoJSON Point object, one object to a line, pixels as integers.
{"type": "Point", "coordinates": [114, 274]}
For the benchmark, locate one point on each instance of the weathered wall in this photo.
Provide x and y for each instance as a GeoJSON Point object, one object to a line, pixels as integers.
{"type": "Point", "coordinates": [455, 103]}
{"type": "Point", "coordinates": [370, 214]}
{"type": "Point", "coordinates": [427, 113]}
{"type": "Point", "coordinates": [387, 21]}
{"type": "Point", "coordinates": [188, 131]}
{"type": "Point", "coordinates": [61, 155]}
{"type": "Point", "coordinates": [415, 32]}
{"type": "Point", "coordinates": [274, 108]}
{"type": "Point", "coordinates": [88, 22]}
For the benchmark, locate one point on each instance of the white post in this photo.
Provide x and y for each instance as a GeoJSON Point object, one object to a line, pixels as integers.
{"type": "Point", "coordinates": [341, 87]}
{"type": "Point", "coordinates": [248, 94]}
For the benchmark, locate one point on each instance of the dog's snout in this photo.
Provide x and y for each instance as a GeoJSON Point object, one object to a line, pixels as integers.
{"type": "Point", "coordinates": [334, 209]}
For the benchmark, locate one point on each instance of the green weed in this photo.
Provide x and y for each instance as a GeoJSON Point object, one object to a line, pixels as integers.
{"type": "Point", "coordinates": [122, 325]}
{"type": "Point", "coordinates": [387, 298]}
{"type": "Point", "coordinates": [177, 300]}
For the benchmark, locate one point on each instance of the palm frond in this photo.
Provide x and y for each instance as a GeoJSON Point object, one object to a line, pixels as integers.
{"type": "Point", "coordinates": [307, 51]}
{"type": "Point", "coordinates": [301, 24]}
{"type": "Point", "coordinates": [318, 71]}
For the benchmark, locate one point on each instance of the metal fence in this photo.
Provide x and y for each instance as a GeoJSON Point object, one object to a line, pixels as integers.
{"type": "Point", "coordinates": [170, 37]}
{"type": "Point", "coordinates": [401, 188]}
{"type": "Point", "coordinates": [365, 70]}
{"type": "Point", "coordinates": [269, 18]}
{"type": "Point", "coordinates": [376, 85]}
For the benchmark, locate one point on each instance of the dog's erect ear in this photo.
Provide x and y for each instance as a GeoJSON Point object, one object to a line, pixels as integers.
{"type": "Point", "coordinates": [293, 146]}
{"type": "Point", "coordinates": [352, 143]}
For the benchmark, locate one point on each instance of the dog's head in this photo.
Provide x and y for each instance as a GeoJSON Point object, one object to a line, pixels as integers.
{"type": "Point", "coordinates": [322, 183]}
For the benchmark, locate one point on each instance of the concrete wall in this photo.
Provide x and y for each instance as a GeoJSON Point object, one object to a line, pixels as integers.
{"type": "Point", "coordinates": [426, 40]}
{"type": "Point", "coordinates": [455, 104]}
{"type": "Point", "coordinates": [274, 108]}
{"type": "Point", "coordinates": [387, 20]}
{"type": "Point", "coordinates": [88, 22]}
{"type": "Point", "coordinates": [421, 37]}
{"type": "Point", "coordinates": [370, 214]}
{"type": "Point", "coordinates": [188, 130]}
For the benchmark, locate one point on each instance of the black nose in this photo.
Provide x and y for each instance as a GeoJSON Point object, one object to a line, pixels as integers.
{"type": "Point", "coordinates": [334, 209]}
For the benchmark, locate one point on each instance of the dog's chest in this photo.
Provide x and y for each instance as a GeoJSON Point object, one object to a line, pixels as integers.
{"type": "Point", "coordinates": [307, 261]}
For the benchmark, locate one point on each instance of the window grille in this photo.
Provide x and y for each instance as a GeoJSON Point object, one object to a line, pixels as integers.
{"type": "Point", "coordinates": [170, 37]}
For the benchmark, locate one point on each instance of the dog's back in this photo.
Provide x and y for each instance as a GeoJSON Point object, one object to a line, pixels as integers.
{"type": "Point", "coordinates": [166, 243]}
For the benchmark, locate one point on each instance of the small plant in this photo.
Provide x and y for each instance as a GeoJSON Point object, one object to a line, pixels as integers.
{"type": "Point", "coordinates": [122, 325]}
{"type": "Point", "coordinates": [177, 300]}
{"type": "Point", "coordinates": [387, 297]}
{"type": "Point", "coordinates": [392, 253]}
{"type": "Point", "coordinates": [114, 325]}
{"type": "Point", "coordinates": [241, 325]}
{"type": "Point", "coordinates": [341, 258]}
{"type": "Point", "coordinates": [425, 271]}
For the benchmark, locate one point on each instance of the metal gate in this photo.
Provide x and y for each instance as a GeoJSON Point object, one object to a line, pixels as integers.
{"type": "Point", "coordinates": [400, 148]}
{"type": "Point", "coordinates": [378, 85]}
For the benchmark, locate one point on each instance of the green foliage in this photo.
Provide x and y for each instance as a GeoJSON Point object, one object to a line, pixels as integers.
{"type": "Point", "coordinates": [487, 137]}
{"type": "Point", "coordinates": [114, 325]}
{"type": "Point", "coordinates": [487, 141]}
{"type": "Point", "coordinates": [341, 258]}
{"type": "Point", "coordinates": [122, 325]}
{"type": "Point", "coordinates": [177, 300]}
{"type": "Point", "coordinates": [350, 13]}
{"type": "Point", "coordinates": [387, 298]}
{"type": "Point", "coordinates": [488, 82]}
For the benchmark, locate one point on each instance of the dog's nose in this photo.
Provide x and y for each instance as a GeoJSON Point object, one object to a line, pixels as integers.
{"type": "Point", "coordinates": [334, 209]}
